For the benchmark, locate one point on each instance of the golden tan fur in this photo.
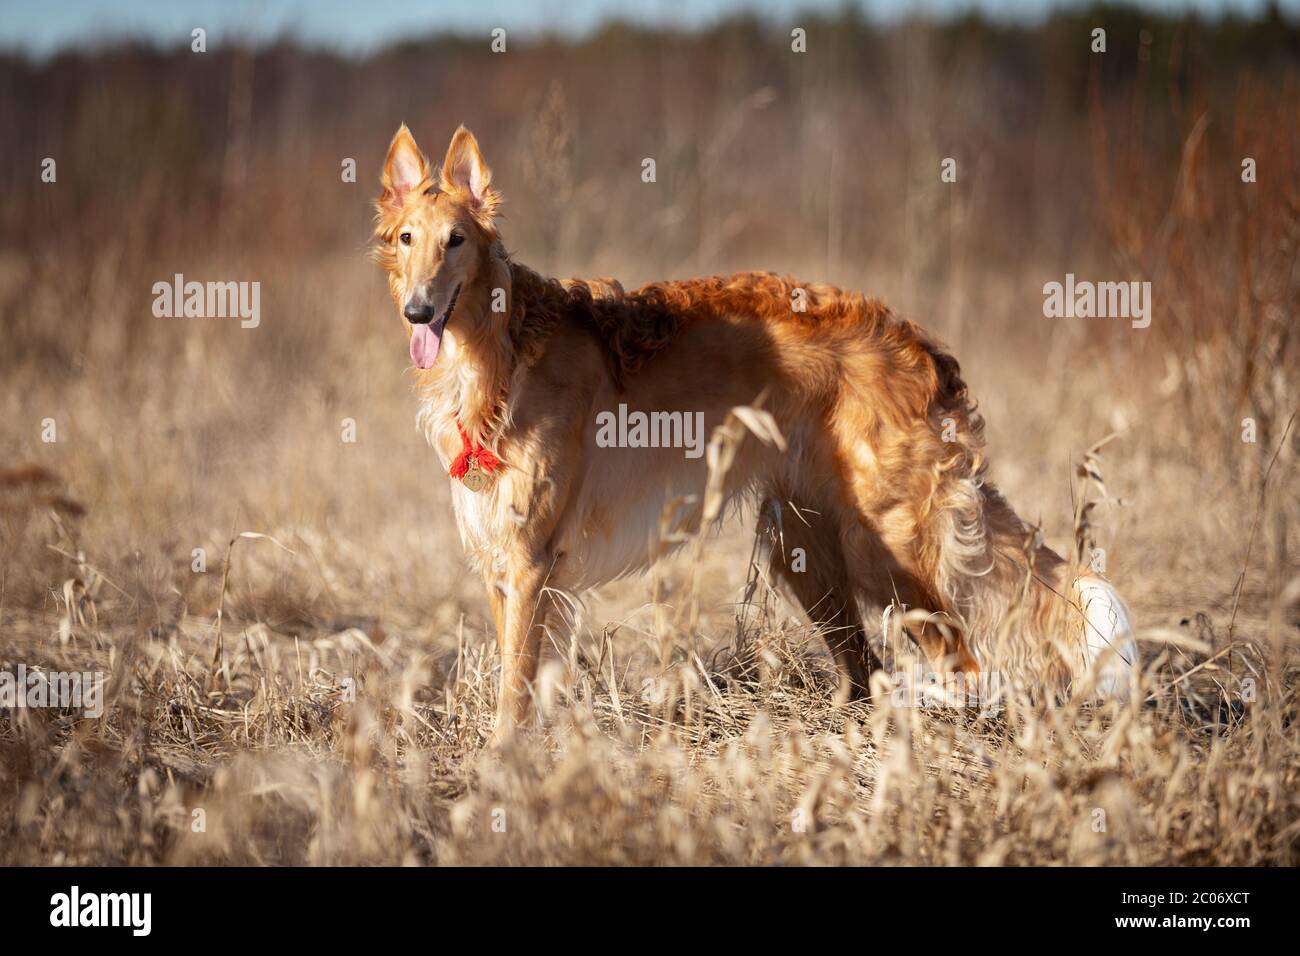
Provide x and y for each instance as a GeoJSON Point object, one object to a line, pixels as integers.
{"type": "Point", "coordinates": [883, 483]}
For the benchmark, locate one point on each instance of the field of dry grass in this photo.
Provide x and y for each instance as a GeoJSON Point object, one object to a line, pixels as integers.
{"type": "Point", "coordinates": [321, 693]}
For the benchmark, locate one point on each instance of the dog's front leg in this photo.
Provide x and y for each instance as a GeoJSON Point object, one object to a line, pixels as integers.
{"type": "Point", "coordinates": [538, 498]}
{"type": "Point", "coordinates": [520, 640]}
{"type": "Point", "coordinates": [497, 602]}
{"type": "Point", "coordinates": [533, 497]}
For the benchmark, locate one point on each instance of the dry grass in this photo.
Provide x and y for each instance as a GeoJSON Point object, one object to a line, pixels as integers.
{"type": "Point", "coordinates": [717, 760]}
{"type": "Point", "coordinates": [323, 697]}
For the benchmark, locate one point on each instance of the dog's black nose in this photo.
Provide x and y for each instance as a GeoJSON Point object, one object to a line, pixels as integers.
{"type": "Point", "coordinates": [418, 314]}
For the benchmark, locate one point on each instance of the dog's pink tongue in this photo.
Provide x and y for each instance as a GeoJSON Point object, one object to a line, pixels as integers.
{"type": "Point", "coordinates": [424, 345]}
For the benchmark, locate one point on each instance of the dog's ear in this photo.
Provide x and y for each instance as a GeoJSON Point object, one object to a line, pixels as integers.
{"type": "Point", "coordinates": [404, 169]}
{"type": "Point", "coordinates": [464, 172]}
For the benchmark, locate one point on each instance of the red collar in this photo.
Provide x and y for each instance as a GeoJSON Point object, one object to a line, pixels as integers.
{"type": "Point", "coordinates": [472, 452]}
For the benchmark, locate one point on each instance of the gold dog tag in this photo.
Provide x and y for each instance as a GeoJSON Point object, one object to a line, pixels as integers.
{"type": "Point", "coordinates": [475, 479]}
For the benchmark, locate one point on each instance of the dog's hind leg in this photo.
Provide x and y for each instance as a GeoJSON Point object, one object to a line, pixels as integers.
{"type": "Point", "coordinates": [805, 555]}
{"type": "Point", "coordinates": [881, 580]}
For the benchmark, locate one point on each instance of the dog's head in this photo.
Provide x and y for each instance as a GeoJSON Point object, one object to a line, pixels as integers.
{"type": "Point", "coordinates": [438, 243]}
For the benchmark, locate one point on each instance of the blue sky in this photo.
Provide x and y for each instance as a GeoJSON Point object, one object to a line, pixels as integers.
{"type": "Point", "coordinates": [351, 26]}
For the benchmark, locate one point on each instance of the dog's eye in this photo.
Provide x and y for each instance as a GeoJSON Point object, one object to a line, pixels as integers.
{"type": "Point", "coordinates": [454, 240]}
{"type": "Point", "coordinates": [406, 238]}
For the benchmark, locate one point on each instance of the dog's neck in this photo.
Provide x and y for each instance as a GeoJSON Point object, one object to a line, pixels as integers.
{"type": "Point", "coordinates": [474, 388]}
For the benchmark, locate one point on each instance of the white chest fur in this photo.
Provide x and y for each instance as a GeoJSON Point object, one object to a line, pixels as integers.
{"type": "Point", "coordinates": [487, 522]}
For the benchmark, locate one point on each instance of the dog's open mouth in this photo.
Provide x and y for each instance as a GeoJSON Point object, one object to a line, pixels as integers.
{"type": "Point", "coordinates": [426, 339]}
